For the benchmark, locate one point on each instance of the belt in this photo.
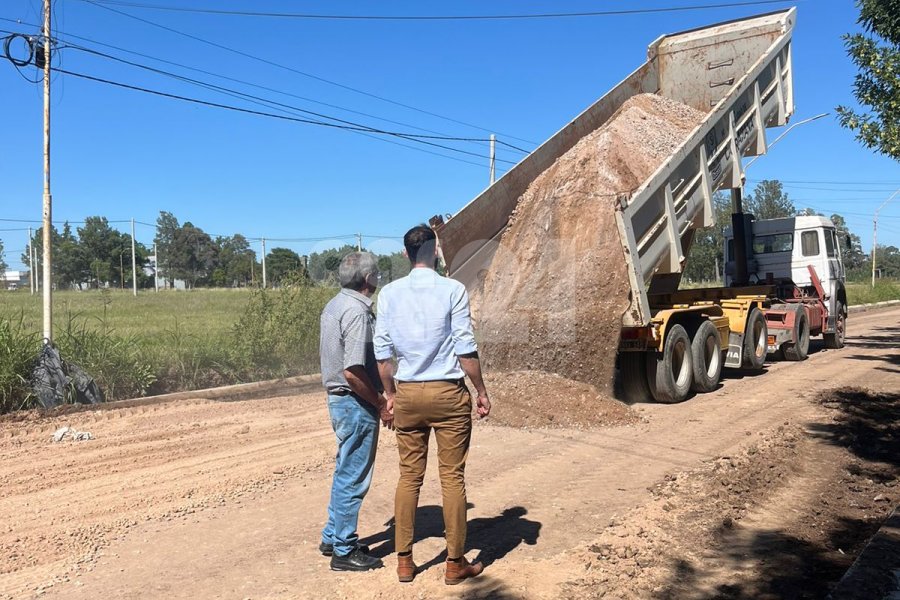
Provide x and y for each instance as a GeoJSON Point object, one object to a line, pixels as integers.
{"type": "Point", "coordinates": [459, 381]}
{"type": "Point", "coordinates": [340, 393]}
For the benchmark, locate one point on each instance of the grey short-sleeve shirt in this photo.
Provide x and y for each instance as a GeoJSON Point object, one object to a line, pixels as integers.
{"type": "Point", "coordinates": [345, 340]}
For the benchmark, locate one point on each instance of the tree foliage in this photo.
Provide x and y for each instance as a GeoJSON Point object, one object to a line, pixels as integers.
{"type": "Point", "coordinates": [876, 53]}
{"type": "Point", "coordinates": [769, 201]}
{"type": "Point", "coordinates": [3, 265]}
{"type": "Point", "coordinates": [283, 264]}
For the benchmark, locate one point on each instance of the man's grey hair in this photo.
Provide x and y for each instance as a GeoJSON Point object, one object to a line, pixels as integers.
{"type": "Point", "coordinates": [354, 269]}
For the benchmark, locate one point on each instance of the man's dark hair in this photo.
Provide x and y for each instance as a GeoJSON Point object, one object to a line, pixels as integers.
{"type": "Point", "coordinates": [420, 241]}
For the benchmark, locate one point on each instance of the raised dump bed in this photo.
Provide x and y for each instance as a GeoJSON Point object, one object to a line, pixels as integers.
{"type": "Point", "coordinates": [738, 72]}
{"type": "Point", "coordinates": [568, 253]}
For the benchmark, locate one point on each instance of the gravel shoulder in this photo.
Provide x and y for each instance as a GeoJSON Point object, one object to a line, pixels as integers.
{"type": "Point", "coordinates": [225, 499]}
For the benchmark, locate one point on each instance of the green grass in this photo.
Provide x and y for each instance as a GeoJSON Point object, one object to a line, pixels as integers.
{"type": "Point", "coordinates": [166, 341]}
{"type": "Point", "coordinates": [150, 315]}
{"type": "Point", "coordinates": [864, 293]}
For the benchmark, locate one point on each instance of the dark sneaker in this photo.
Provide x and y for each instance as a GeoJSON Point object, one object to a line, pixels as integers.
{"type": "Point", "coordinates": [355, 561]}
{"type": "Point", "coordinates": [328, 549]}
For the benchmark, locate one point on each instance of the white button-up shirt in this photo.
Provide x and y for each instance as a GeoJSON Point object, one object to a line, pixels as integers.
{"type": "Point", "coordinates": [423, 320]}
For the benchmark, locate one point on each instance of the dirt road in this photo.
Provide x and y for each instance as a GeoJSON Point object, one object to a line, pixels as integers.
{"type": "Point", "coordinates": [205, 499]}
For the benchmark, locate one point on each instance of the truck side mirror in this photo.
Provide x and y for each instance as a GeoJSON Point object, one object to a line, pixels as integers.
{"type": "Point", "coordinates": [849, 241]}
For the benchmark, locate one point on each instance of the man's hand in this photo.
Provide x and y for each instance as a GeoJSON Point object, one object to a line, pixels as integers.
{"type": "Point", "coordinates": [386, 410]}
{"type": "Point", "coordinates": [484, 404]}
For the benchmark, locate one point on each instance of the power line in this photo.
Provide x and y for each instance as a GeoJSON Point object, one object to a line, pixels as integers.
{"type": "Point", "coordinates": [211, 86]}
{"type": "Point", "coordinates": [266, 88]}
{"type": "Point", "coordinates": [359, 128]}
{"type": "Point", "coordinates": [303, 73]}
{"type": "Point", "coordinates": [190, 68]}
{"type": "Point", "coordinates": [885, 182]}
{"type": "Point", "coordinates": [263, 113]}
{"type": "Point", "coordinates": [604, 13]}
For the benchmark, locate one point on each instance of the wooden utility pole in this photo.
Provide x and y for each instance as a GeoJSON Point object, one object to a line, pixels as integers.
{"type": "Point", "coordinates": [359, 242]}
{"type": "Point", "coordinates": [48, 199]}
{"type": "Point", "coordinates": [31, 260]}
{"type": "Point", "coordinates": [493, 156]}
{"type": "Point", "coordinates": [155, 267]}
{"type": "Point", "coordinates": [264, 261]}
{"type": "Point", "coordinates": [133, 260]}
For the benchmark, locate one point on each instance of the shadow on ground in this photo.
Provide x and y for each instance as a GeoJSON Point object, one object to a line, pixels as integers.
{"type": "Point", "coordinates": [493, 537]}
{"type": "Point", "coordinates": [806, 560]}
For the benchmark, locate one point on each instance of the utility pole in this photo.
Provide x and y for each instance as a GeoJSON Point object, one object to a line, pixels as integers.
{"type": "Point", "coordinates": [121, 271]}
{"type": "Point", "coordinates": [31, 260]}
{"type": "Point", "coordinates": [493, 155]}
{"type": "Point", "coordinates": [875, 232]}
{"type": "Point", "coordinates": [48, 199]}
{"type": "Point", "coordinates": [264, 261]}
{"type": "Point", "coordinates": [359, 242]}
{"type": "Point", "coordinates": [155, 267]}
{"type": "Point", "coordinates": [133, 260]}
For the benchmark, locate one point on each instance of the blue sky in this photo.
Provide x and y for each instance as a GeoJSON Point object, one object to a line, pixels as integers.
{"type": "Point", "coordinates": [125, 154]}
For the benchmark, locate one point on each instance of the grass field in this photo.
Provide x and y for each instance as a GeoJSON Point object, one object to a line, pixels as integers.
{"type": "Point", "coordinates": [166, 341]}
{"type": "Point", "coordinates": [151, 316]}
{"type": "Point", "coordinates": [864, 293]}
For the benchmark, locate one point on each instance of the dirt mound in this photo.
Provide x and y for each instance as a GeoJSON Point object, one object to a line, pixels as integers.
{"type": "Point", "coordinates": [534, 399]}
{"type": "Point", "coordinates": [558, 286]}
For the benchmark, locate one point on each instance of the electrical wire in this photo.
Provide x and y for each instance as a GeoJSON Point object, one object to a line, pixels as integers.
{"type": "Point", "coordinates": [303, 73]}
{"type": "Point", "coordinates": [263, 113]}
{"type": "Point", "coordinates": [272, 102]}
{"type": "Point", "coordinates": [603, 13]}
{"type": "Point", "coordinates": [61, 36]}
{"type": "Point", "coordinates": [438, 135]}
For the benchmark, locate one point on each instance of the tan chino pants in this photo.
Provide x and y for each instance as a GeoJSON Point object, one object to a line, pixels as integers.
{"type": "Point", "coordinates": [419, 408]}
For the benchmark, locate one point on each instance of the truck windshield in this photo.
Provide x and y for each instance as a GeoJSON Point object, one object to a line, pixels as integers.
{"type": "Point", "coordinates": [776, 242]}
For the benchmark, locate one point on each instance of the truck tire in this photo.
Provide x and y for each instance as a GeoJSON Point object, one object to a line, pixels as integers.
{"type": "Point", "coordinates": [756, 335]}
{"type": "Point", "coordinates": [633, 372]}
{"type": "Point", "coordinates": [836, 340]}
{"type": "Point", "coordinates": [706, 356]}
{"type": "Point", "coordinates": [799, 348]}
{"type": "Point", "coordinates": [670, 372]}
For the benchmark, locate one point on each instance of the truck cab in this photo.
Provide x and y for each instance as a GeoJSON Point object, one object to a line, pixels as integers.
{"type": "Point", "coordinates": [782, 250]}
{"type": "Point", "coordinates": [801, 257]}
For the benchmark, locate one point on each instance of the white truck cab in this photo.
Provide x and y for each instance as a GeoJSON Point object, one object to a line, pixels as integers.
{"type": "Point", "coordinates": [782, 250]}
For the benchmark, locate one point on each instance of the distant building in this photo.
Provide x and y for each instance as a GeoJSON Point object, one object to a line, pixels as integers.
{"type": "Point", "coordinates": [13, 280]}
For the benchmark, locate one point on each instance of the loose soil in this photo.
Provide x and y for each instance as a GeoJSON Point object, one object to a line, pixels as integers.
{"type": "Point", "coordinates": [784, 518]}
{"type": "Point", "coordinates": [554, 296]}
{"type": "Point", "coordinates": [203, 499]}
{"type": "Point", "coordinates": [535, 399]}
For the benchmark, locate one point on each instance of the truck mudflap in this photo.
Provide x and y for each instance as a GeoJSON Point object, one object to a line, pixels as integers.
{"type": "Point", "coordinates": [735, 355]}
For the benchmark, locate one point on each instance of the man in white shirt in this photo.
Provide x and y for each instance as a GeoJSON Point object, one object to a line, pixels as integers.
{"type": "Point", "coordinates": [423, 321]}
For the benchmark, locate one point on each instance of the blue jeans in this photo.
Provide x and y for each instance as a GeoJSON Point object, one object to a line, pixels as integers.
{"type": "Point", "coordinates": [355, 424]}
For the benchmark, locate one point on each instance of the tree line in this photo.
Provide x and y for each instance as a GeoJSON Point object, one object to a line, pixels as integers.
{"type": "Point", "coordinates": [96, 255]}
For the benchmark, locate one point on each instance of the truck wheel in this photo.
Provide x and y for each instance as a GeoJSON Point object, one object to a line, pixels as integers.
{"type": "Point", "coordinates": [706, 356]}
{"type": "Point", "coordinates": [799, 348]}
{"type": "Point", "coordinates": [633, 371]}
{"type": "Point", "coordinates": [756, 335]}
{"type": "Point", "coordinates": [836, 340]}
{"type": "Point", "coordinates": [670, 372]}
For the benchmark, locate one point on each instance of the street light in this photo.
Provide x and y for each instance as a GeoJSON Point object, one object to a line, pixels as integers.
{"type": "Point", "coordinates": [875, 232]}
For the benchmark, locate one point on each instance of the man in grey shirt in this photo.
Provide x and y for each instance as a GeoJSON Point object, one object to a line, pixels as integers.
{"type": "Point", "coordinates": [355, 403]}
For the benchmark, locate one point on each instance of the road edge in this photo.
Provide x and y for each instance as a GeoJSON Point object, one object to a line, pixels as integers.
{"type": "Point", "coordinates": [873, 574]}
{"type": "Point", "coordinates": [877, 305]}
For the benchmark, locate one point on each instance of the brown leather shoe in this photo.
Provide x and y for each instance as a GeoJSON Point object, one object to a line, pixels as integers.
{"type": "Point", "coordinates": [459, 571]}
{"type": "Point", "coordinates": [406, 568]}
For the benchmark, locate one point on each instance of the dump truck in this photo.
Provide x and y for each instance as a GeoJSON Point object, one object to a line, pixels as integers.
{"type": "Point", "coordinates": [675, 342]}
